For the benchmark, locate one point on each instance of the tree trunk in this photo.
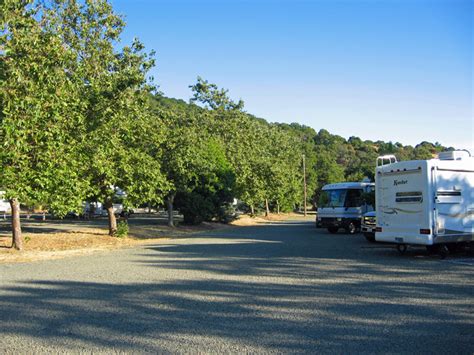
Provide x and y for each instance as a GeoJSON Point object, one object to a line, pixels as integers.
{"type": "Point", "coordinates": [252, 210]}
{"type": "Point", "coordinates": [109, 206]}
{"type": "Point", "coordinates": [17, 238]}
{"type": "Point", "coordinates": [267, 209]}
{"type": "Point", "coordinates": [278, 207]}
{"type": "Point", "coordinates": [169, 204]}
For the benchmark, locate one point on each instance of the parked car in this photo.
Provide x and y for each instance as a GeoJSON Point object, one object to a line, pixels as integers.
{"type": "Point", "coordinates": [368, 225]}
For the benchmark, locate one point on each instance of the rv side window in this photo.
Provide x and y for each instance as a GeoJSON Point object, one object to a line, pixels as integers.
{"type": "Point", "coordinates": [409, 197]}
{"type": "Point", "coordinates": [449, 196]}
{"type": "Point", "coordinates": [353, 198]}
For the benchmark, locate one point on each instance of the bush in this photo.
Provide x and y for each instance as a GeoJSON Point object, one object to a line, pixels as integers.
{"type": "Point", "coordinates": [122, 229]}
{"type": "Point", "coordinates": [194, 207]}
{"type": "Point", "coordinates": [209, 198]}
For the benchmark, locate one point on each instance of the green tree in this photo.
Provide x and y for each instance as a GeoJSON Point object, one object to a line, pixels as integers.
{"type": "Point", "coordinates": [305, 145]}
{"type": "Point", "coordinates": [207, 197]}
{"type": "Point", "coordinates": [284, 179]}
{"type": "Point", "coordinates": [39, 103]}
{"type": "Point", "coordinates": [213, 97]}
{"type": "Point", "coordinates": [193, 162]}
{"type": "Point", "coordinates": [181, 153]}
{"type": "Point", "coordinates": [265, 158]}
{"type": "Point", "coordinates": [115, 103]}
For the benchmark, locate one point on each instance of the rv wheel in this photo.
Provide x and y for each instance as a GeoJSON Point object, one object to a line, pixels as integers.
{"type": "Point", "coordinates": [454, 247]}
{"type": "Point", "coordinates": [333, 229]}
{"type": "Point", "coordinates": [443, 251]}
{"type": "Point", "coordinates": [351, 228]}
{"type": "Point", "coordinates": [402, 248]}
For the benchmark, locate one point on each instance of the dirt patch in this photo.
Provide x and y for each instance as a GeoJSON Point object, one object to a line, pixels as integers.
{"type": "Point", "coordinates": [246, 220]}
{"type": "Point", "coordinates": [40, 246]}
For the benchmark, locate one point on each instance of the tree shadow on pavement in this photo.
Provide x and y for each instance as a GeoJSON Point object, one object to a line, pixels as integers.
{"type": "Point", "coordinates": [251, 290]}
{"type": "Point", "coordinates": [210, 315]}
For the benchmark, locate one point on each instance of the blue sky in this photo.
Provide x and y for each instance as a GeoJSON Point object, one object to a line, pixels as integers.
{"type": "Point", "coordinates": [396, 70]}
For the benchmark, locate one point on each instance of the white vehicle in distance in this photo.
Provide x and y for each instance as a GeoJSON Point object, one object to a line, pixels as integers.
{"type": "Point", "coordinates": [341, 206]}
{"type": "Point", "coordinates": [4, 204]}
{"type": "Point", "coordinates": [426, 202]}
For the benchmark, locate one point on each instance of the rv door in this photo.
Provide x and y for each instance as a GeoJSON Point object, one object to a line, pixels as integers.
{"type": "Point", "coordinates": [452, 214]}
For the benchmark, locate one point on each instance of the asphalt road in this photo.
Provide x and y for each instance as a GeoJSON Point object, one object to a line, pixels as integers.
{"type": "Point", "coordinates": [283, 288]}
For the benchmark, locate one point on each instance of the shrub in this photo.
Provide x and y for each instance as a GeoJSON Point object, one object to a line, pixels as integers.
{"type": "Point", "coordinates": [122, 229]}
{"type": "Point", "coordinates": [194, 207]}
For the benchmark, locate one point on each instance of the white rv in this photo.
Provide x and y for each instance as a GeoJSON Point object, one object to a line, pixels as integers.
{"type": "Point", "coordinates": [341, 206]}
{"type": "Point", "coordinates": [425, 202]}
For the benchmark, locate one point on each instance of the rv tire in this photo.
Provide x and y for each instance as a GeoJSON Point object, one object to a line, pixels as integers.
{"type": "Point", "coordinates": [443, 251]}
{"type": "Point", "coordinates": [351, 228]}
{"type": "Point", "coordinates": [333, 229]}
{"type": "Point", "coordinates": [454, 247]}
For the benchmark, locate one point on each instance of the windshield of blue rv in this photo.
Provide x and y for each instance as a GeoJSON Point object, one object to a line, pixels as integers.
{"type": "Point", "coordinates": [341, 198]}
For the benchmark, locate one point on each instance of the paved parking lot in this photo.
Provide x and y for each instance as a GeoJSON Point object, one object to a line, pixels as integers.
{"type": "Point", "coordinates": [282, 287]}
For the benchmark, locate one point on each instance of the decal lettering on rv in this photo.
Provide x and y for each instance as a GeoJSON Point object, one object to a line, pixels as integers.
{"type": "Point", "coordinates": [399, 182]}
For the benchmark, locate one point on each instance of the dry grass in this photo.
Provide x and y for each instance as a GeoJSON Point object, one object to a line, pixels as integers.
{"type": "Point", "coordinates": [40, 246]}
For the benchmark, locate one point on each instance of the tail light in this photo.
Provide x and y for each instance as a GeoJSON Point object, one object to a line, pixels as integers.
{"type": "Point", "coordinates": [425, 231]}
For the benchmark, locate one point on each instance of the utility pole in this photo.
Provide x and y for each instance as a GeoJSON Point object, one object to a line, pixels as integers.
{"type": "Point", "coordinates": [304, 184]}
